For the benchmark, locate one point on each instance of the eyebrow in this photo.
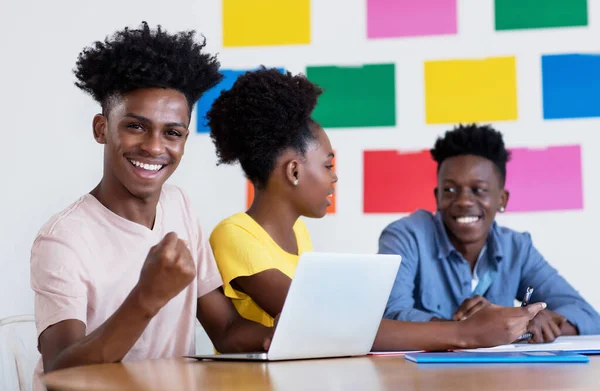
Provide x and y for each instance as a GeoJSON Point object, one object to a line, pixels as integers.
{"type": "Point", "coordinates": [147, 120]}
{"type": "Point", "coordinates": [479, 181]}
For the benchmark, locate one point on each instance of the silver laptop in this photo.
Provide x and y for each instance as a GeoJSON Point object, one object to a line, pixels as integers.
{"type": "Point", "coordinates": [333, 308]}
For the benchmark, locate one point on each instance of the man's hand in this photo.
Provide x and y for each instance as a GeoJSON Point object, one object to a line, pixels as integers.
{"type": "Point", "coordinates": [168, 269]}
{"type": "Point", "coordinates": [469, 307]}
{"type": "Point", "coordinates": [495, 325]}
{"type": "Point", "coordinates": [546, 326]}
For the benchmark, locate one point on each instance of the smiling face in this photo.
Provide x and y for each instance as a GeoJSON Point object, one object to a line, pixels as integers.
{"type": "Point", "coordinates": [316, 178]}
{"type": "Point", "coordinates": [144, 139]}
{"type": "Point", "coordinates": [469, 193]}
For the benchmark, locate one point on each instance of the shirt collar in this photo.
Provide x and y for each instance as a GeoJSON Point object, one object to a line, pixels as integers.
{"type": "Point", "coordinates": [445, 247]}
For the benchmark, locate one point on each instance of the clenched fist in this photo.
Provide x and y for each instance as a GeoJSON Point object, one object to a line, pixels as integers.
{"type": "Point", "coordinates": [168, 269]}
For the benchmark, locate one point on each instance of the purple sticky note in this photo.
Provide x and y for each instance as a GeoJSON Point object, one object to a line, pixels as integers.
{"type": "Point", "coordinates": [545, 179]}
{"type": "Point", "coordinates": [410, 18]}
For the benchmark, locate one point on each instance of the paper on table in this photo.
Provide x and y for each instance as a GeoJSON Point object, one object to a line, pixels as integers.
{"type": "Point", "coordinates": [394, 352]}
{"type": "Point", "coordinates": [565, 344]}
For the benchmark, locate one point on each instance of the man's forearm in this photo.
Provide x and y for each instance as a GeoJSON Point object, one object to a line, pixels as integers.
{"type": "Point", "coordinates": [408, 314]}
{"type": "Point", "coordinates": [112, 340]}
{"type": "Point", "coordinates": [434, 336]}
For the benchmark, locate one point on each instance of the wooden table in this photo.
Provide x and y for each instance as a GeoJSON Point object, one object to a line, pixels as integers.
{"type": "Point", "coordinates": [361, 373]}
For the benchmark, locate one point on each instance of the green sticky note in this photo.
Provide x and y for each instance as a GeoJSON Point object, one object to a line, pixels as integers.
{"type": "Point", "coordinates": [355, 96]}
{"type": "Point", "coordinates": [531, 14]}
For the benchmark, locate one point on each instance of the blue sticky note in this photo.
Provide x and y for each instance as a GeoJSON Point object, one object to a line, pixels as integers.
{"type": "Point", "coordinates": [206, 100]}
{"type": "Point", "coordinates": [571, 85]}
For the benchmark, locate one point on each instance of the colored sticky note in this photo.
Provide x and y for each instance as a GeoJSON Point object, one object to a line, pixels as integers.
{"type": "Point", "coordinates": [206, 100]}
{"type": "Point", "coordinates": [355, 96]}
{"type": "Point", "coordinates": [471, 90]}
{"type": "Point", "coordinates": [571, 86]}
{"type": "Point", "coordinates": [265, 22]}
{"type": "Point", "coordinates": [250, 194]}
{"type": "Point", "coordinates": [545, 179]}
{"type": "Point", "coordinates": [408, 18]}
{"type": "Point", "coordinates": [398, 182]}
{"type": "Point", "coordinates": [529, 14]}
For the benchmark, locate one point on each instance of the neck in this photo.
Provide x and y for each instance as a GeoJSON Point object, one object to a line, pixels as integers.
{"type": "Point", "coordinates": [470, 251]}
{"type": "Point", "coordinates": [276, 216]}
{"type": "Point", "coordinates": [115, 197]}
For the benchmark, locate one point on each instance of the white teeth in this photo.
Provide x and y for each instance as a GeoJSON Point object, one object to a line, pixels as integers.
{"type": "Point", "coordinates": [149, 167]}
{"type": "Point", "coordinates": [467, 219]}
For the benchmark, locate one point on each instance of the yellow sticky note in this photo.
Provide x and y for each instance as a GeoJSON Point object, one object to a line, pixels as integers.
{"type": "Point", "coordinates": [265, 22]}
{"type": "Point", "coordinates": [471, 90]}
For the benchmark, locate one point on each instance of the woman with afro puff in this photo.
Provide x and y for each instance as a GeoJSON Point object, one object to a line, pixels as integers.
{"type": "Point", "coordinates": [124, 272]}
{"type": "Point", "coordinates": [264, 122]}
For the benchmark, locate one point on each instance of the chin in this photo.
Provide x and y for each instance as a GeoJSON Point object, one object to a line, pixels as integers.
{"type": "Point", "coordinates": [143, 192]}
{"type": "Point", "coordinates": [321, 214]}
{"type": "Point", "coordinates": [315, 214]}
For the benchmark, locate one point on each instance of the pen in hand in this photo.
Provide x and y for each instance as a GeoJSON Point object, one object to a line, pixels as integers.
{"type": "Point", "coordinates": [524, 303]}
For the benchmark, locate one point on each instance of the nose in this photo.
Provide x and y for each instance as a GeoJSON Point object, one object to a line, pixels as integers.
{"type": "Point", "coordinates": [464, 198]}
{"type": "Point", "coordinates": [335, 178]}
{"type": "Point", "coordinates": [152, 144]}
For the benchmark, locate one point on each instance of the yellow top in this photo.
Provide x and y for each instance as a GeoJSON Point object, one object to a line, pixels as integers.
{"type": "Point", "coordinates": [243, 248]}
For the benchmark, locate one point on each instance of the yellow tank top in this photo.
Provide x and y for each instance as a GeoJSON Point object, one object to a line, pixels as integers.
{"type": "Point", "coordinates": [243, 248]}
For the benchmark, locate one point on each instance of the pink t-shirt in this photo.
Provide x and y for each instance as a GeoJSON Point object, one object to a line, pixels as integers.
{"type": "Point", "coordinates": [86, 260]}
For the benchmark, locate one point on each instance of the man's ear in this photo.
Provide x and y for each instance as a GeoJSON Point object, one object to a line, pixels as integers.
{"type": "Point", "coordinates": [291, 172]}
{"type": "Point", "coordinates": [99, 125]}
{"type": "Point", "coordinates": [504, 196]}
{"type": "Point", "coordinates": [435, 195]}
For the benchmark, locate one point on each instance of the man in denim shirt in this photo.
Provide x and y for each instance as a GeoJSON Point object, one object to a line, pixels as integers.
{"type": "Point", "coordinates": [457, 261]}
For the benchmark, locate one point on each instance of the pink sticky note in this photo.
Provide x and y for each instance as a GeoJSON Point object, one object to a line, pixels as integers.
{"type": "Point", "coordinates": [409, 18]}
{"type": "Point", "coordinates": [545, 179]}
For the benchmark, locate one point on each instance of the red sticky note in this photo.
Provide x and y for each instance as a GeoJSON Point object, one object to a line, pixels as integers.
{"type": "Point", "coordinates": [250, 194]}
{"type": "Point", "coordinates": [545, 179]}
{"type": "Point", "coordinates": [398, 182]}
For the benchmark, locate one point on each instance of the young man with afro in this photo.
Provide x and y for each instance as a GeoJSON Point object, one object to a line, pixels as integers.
{"type": "Point", "coordinates": [459, 260]}
{"type": "Point", "coordinates": [124, 271]}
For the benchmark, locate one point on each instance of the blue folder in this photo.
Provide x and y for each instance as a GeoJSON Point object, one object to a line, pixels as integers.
{"type": "Point", "coordinates": [496, 357]}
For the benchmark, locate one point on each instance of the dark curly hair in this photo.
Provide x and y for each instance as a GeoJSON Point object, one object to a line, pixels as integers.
{"type": "Point", "coordinates": [263, 114]}
{"type": "Point", "coordinates": [145, 58]}
{"type": "Point", "coordinates": [473, 139]}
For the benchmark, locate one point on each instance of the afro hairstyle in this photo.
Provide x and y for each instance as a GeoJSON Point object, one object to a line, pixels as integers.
{"type": "Point", "coordinates": [145, 58]}
{"type": "Point", "coordinates": [265, 113]}
{"type": "Point", "coordinates": [473, 139]}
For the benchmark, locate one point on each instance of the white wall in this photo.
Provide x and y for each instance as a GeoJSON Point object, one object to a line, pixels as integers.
{"type": "Point", "coordinates": [49, 157]}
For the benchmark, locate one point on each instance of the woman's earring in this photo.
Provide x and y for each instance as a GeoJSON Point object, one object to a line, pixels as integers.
{"type": "Point", "coordinates": [296, 182]}
{"type": "Point", "coordinates": [502, 209]}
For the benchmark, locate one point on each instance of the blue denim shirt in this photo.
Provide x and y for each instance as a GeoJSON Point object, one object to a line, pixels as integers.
{"type": "Point", "coordinates": [434, 279]}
